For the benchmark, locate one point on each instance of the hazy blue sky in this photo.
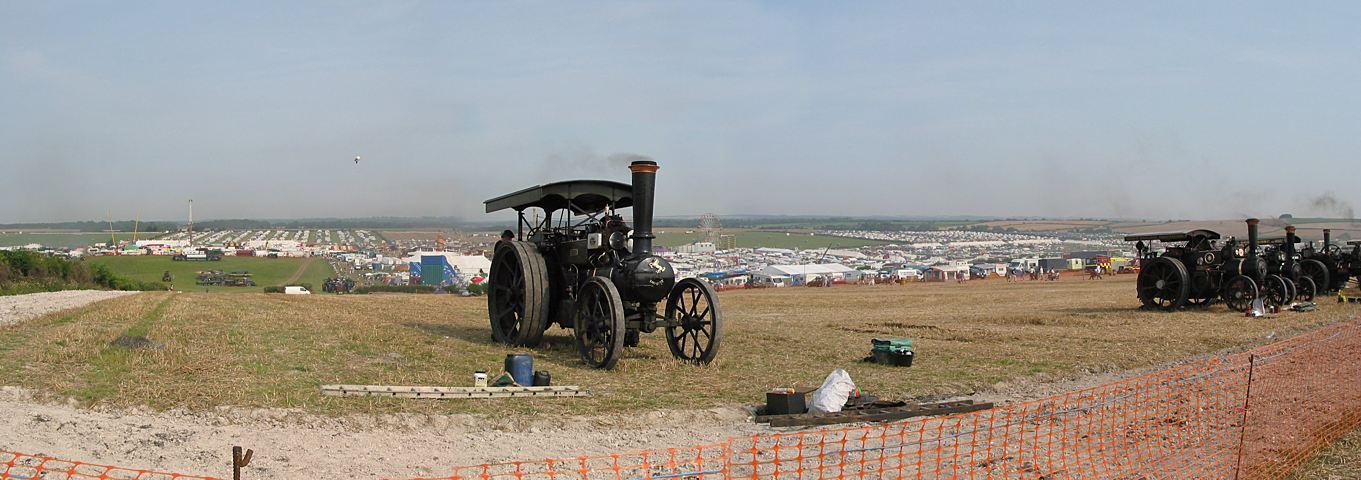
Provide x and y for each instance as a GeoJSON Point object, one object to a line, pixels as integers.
{"type": "Point", "coordinates": [1175, 109]}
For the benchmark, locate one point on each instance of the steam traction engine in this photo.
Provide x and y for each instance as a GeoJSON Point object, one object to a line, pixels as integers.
{"type": "Point", "coordinates": [1351, 265]}
{"type": "Point", "coordinates": [1328, 265]}
{"type": "Point", "coordinates": [582, 267]}
{"type": "Point", "coordinates": [1196, 271]}
{"type": "Point", "coordinates": [1296, 272]}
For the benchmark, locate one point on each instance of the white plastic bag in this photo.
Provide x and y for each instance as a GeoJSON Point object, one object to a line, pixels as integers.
{"type": "Point", "coordinates": [832, 395]}
{"type": "Point", "coordinates": [1258, 308]}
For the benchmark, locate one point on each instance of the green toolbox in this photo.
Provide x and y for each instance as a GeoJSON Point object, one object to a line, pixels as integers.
{"type": "Point", "coordinates": [892, 351]}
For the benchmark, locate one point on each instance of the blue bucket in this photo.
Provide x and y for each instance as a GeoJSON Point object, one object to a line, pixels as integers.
{"type": "Point", "coordinates": [520, 366]}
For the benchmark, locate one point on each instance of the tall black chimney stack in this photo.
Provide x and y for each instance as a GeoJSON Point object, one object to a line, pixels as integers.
{"type": "Point", "coordinates": [644, 187]}
{"type": "Point", "coordinates": [1327, 238]}
{"type": "Point", "coordinates": [1290, 240]}
{"type": "Point", "coordinates": [1252, 237]}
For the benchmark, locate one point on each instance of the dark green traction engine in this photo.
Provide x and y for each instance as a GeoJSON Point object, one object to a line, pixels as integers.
{"type": "Point", "coordinates": [576, 263]}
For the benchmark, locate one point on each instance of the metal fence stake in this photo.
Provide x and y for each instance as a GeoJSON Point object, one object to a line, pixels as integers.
{"type": "Point", "coordinates": [1243, 424]}
{"type": "Point", "coordinates": [239, 461]}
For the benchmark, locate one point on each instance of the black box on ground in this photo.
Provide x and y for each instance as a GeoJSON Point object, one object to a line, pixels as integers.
{"type": "Point", "coordinates": [785, 403]}
{"type": "Point", "coordinates": [897, 359]}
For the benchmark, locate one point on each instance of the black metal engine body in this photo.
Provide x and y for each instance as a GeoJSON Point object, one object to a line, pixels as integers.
{"type": "Point", "coordinates": [1196, 269]}
{"type": "Point", "coordinates": [574, 254]}
{"type": "Point", "coordinates": [582, 236]}
{"type": "Point", "coordinates": [1340, 263]}
{"type": "Point", "coordinates": [582, 267]}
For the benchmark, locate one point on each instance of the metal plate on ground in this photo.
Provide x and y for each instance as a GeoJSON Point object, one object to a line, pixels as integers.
{"type": "Point", "coordinates": [872, 414]}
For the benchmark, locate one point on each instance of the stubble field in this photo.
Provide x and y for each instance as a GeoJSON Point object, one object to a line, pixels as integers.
{"type": "Point", "coordinates": [274, 350]}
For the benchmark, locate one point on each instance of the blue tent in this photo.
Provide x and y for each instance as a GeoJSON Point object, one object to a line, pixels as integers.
{"type": "Point", "coordinates": [433, 268]}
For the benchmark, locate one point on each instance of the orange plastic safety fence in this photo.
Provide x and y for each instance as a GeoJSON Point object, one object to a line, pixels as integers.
{"type": "Point", "coordinates": [22, 466]}
{"type": "Point", "coordinates": [1183, 422]}
{"type": "Point", "coordinates": [1305, 395]}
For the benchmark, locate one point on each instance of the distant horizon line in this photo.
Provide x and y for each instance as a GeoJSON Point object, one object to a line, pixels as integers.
{"type": "Point", "coordinates": [461, 221]}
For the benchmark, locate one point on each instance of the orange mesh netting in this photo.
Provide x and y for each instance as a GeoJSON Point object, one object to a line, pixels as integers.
{"type": "Point", "coordinates": [21, 466]}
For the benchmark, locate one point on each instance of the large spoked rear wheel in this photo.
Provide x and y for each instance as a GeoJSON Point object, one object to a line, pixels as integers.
{"type": "Point", "coordinates": [697, 331]}
{"type": "Point", "coordinates": [599, 326]}
{"type": "Point", "coordinates": [1306, 290]}
{"type": "Point", "coordinates": [1163, 284]}
{"type": "Point", "coordinates": [517, 300]}
{"type": "Point", "coordinates": [1277, 291]}
{"type": "Point", "coordinates": [1239, 293]}
{"type": "Point", "coordinates": [1318, 272]}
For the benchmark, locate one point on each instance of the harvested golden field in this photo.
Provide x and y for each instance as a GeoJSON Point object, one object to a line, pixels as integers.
{"type": "Point", "coordinates": [1044, 225]}
{"type": "Point", "coordinates": [402, 235]}
{"type": "Point", "coordinates": [432, 235]}
{"type": "Point", "coordinates": [275, 350]}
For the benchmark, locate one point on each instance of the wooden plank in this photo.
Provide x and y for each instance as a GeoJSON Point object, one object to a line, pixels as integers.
{"type": "Point", "coordinates": [402, 391]}
{"type": "Point", "coordinates": [455, 395]}
{"type": "Point", "coordinates": [402, 388]}
{"type": "Point", "coordinates": [442, 395]}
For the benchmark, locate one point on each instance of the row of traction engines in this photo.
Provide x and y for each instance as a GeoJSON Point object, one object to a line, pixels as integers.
{"type": "Point", "coordinates": [1196, 268]}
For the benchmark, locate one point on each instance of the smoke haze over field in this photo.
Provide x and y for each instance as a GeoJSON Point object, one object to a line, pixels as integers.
{"type": "Point", "coordinates": [1170, 110]}
{"type": "Point", "coordinates": [1328, 205]}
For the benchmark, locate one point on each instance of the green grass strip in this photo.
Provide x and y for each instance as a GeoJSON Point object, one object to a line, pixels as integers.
{"type": "Point", "coordinates": [113, 364]}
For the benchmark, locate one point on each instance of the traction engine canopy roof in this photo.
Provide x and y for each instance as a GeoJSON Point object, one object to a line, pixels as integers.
{"type": "Point", "coordinates": [1173, 236]}
{"type": "Point", "coordinates": [582, 196]}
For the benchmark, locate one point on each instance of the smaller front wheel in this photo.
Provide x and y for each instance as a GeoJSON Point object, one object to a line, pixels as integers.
{"type": "Point", "coordinates": [697, 322]}
{"type": "Point", "coordinates": [1239, 293]}
{"type": "Point", "coordinates": [1306, 290]}
{"type": "Point", "coordinates": [599, 326]}
{"type": "Point", "coordinates": [1277, 291]}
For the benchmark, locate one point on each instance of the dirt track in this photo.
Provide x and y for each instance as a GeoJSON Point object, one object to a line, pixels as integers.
{"type": "Point", "coordinates": [301, 270]}
{"type": "Point", "coordinates": [289, 444]}
{"type": "Point", "coordinates": [18, 308]}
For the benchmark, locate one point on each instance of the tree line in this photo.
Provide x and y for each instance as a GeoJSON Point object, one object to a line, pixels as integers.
{"type": "Point", "coordinates": [23, 271]}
